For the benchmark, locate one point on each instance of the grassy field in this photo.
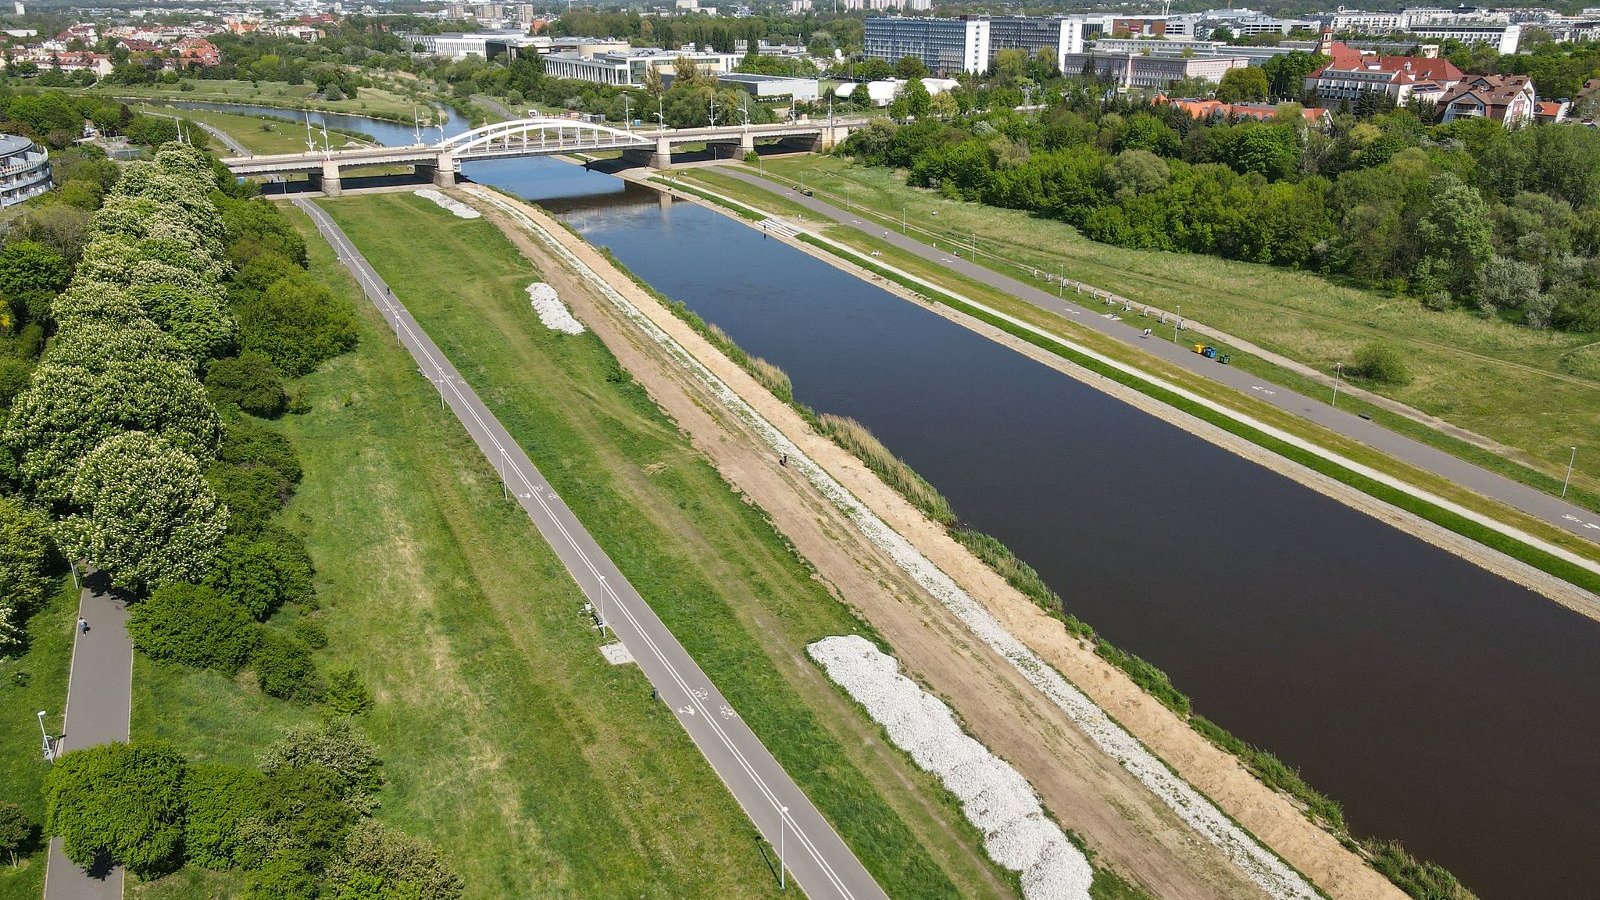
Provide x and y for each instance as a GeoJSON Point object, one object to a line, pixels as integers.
{"type": "Point", "coordinates": [932, 272]}
{"type": "Point", "coordinates": [1535, 391]}
{"type": "Point", "coordinates": [712, 566]}
{"type": "Point", "coordinates": [259, 135]}
{"type": "Point", "coordinates": [506, 739]}
{"type": "Point", "coordinates": [371, 101]}
{"type": "Point", "coordinates": [33, 681]}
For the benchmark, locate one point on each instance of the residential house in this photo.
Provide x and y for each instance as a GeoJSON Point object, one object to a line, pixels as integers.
{"type": "Point", "coordinates": [1507, 99]}
{"type": "Point", "coordinates": [1217, 110]}
{"type": "Point", "coordinates": [1551, 112]}
{"type": "Point", "coordinates": [1350, 74]}
{"type": "Point", "coordinates": [200, 52]}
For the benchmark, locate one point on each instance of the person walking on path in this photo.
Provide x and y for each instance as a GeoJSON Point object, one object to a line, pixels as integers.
{"type": "Point", "coordinates": [83, 625]}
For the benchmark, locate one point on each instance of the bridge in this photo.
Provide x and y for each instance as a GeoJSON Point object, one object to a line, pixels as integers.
{"type": "Point", "coordinates": [536, 137]}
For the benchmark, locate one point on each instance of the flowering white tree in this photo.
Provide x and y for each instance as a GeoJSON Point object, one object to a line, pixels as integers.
{"type": "Point", "coordinates": [147, 515]}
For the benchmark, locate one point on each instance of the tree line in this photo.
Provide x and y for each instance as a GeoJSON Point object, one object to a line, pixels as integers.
{"type": "Point", "coordinates": [1467, 214]}
{"type": "Point", "coordinates": [168, 328]}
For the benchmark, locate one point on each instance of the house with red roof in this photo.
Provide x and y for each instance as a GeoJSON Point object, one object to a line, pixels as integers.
{"type": "Point", "coordinates": [1507, 99]}
{"type": "Point", "coordinates": [1217, 110]}
{"type": "Point", "coordinates": [1350, 74]}
{"type": "Point", "coordinates": [1551, 112]}
{"type": "Point", "coordinates": [195, 51]}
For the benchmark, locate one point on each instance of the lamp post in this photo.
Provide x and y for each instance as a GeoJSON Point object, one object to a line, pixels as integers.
{"type": "Point", "coordinates": [1568, 480]}
{"type": "Point", "coordinates": [1177, 323]}
{"type": "Point", "coordinates": [902, 218]}
{"type": "Point", "coordinates": [1338, 375]}
{"type": "Point", "coordinates": [604, 589]}
{"type": "Point", "coordinates": [627, 113]}
{"type": "Point", "coordinates": [49, 749]}
{"type": "Point", "coordinates": [783, 867]}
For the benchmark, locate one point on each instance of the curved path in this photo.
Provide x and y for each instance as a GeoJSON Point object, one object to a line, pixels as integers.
{"type": "Point", "coordinates": [821, 863]}
{"type": "Point", "coordinates": [1532, 501]}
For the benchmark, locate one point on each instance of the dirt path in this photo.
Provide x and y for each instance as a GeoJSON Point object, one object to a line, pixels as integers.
{"type": "Point", "coordinates": [1128, 827]}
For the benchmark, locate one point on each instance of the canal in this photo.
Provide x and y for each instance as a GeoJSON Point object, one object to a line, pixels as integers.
{"type": "Point", "coordinates": [1442, 705]}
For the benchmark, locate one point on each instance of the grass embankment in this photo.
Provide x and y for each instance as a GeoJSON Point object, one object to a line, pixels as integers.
{"type": "Point", "coordinates": [375, 102]}
{"type": "Point", "coordinates": [716, 571]}
{"type": "Point", "coordinates": [1534, 391]}
{"type": "Point", "coordinates": [28, 683]}
{"type": "Point", "coordinates": [535, 767]}
{"type": "Point", "coordinates": [260, 135]}
{"type": "Point", "coordinates": [1418, 878]}
{"type": "Point", "coordinates": [1351, 449]}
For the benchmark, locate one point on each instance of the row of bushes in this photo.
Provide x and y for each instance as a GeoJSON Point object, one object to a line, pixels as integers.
{"type": "Point", "coordinates": [298, 822]}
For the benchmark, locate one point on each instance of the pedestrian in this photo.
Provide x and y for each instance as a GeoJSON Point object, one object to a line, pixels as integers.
{"type": "Point", "coordinates": [783, 459]}
{"type": "Point", "coordinates": [83, 625]}
{"type": "Point", "coordinates": [655, 694]}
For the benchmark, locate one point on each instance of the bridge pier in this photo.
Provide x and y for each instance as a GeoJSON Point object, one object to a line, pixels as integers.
{"type": "Point", "coordinates": [747, 143]}
{"type": "Point", "coordinates": [329, 181]}
{"type": "Point", "coordinates": [444, 171]}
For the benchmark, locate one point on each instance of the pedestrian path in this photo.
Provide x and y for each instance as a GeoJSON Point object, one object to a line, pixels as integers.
{"type": "Point", "coordinates": [99, 709]}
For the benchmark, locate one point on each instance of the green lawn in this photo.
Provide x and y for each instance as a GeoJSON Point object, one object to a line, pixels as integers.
{"type": "Point", "coordinates": [712, 566]}
{"type": "Point", "coordinates": [259, 135]}
{"type": "Point", "coordinates": [1535, 391]}
{"type": "Point", "coordinates": [377, 102]}
{"type": "Point", "coordinates": [507, 740]}
{"type": "Point", "coordinates": [33, 681]}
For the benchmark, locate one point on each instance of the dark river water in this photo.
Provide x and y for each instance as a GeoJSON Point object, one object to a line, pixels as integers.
{"type": "Point", "coordinates": [1442, 705]}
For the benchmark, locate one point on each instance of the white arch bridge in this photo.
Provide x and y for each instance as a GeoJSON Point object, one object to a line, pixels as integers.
{"type": "Point", "coordinates": [536, 137]}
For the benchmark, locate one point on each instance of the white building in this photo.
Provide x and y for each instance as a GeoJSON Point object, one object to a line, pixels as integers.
{"type": "Point", "coordinates": [630, 67]}
{"type": "Point", "coordinates": [1139, 71]}
{"type": "Point", "coordinates": [771, 86]}
{"type": "Point", "coordinates": [24, 169]}
{"type": "Point", "coordinates": [1504, 38]}
{"type": "Point", "coordinates": [458, 46]}
{"type": "Point", "coordinates": [1358, 22]}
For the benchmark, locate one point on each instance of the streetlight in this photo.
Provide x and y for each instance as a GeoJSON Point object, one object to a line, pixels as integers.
{"type": "Point", "coordinates": [604, 589]}
{"type": "Point", "coordinates": [902, 218]}
{"type": "Point", "coordinates": [783, 868]}
{"type": "Point", "coordinates": [627, 113]}
{"type": "Point", "coordinates": [1177, 323]}
{"type": "Point", "coordinates": [1338, 375]}
{"type": "Point", "coordinates": [505, 487]}
{"type": "Point", "coordinates": [49, 749]}
{"type": "Point", "coordinates": [1570, 461]}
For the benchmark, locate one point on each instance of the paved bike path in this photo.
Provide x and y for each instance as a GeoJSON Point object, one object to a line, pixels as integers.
{"type": "Point", "coordinates": [818, 859]}
{"type": "Point", "coordinates": [99, 710]}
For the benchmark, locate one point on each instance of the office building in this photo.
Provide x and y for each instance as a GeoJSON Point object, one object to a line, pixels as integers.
{"type": "Point", "coordinates": [945, 46]}
{"type": "Point", "coordinates": [24, 169]}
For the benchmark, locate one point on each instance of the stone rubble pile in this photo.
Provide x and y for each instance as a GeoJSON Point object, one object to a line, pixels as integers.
{"type": "Point", "coordinates": [994, 797]}
{"type": "Point", "coordinates": [449, 203]}
{"type": "Point", "coordinates": [552, 312]}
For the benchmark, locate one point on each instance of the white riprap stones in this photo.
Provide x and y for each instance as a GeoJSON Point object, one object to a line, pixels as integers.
{"type": "Point", "coordinates": [449, 203]}
{"type": "Point", "coordinates": [552, 312]}
{"type": "Point", "coordinates": [994, 797]}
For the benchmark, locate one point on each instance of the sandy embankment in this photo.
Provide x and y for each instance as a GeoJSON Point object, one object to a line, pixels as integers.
{"type": "Point", "coordinates": [1122, 820]}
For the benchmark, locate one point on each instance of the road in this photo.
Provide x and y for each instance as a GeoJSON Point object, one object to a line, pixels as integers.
{"type": "Point", "coordinates": [818, 859]}
{"type": "Point", "coordinates": [99, 710]}
{"type": "Point", "coordinates": [1543, 506]}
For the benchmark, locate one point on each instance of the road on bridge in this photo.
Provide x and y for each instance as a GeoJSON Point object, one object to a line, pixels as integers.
{"type": "Point", "coordinates": [1532, 501]}
{"type": "Point", "coordinates": [818, 858]}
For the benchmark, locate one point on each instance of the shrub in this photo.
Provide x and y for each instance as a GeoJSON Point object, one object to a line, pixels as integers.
{"type": "Point", "coordinates": [247, 575]}
{"type": "Point", "coordinates": [249, 381]}
{"type": "Point", "coordinates": [253, 495]}
{"type": "Point", "coordinates": [335, 746]}
{"type": "Point", "coordinates": [297, 323]}
{"type": "Point", "coordinates": [219, 799]}
{"type": "Point", "coordinates": [122, 800]}
{"type": "Point", "coordinates": [284, 668]}
{"type": "Point", "coordinates": [1379, 363]}
{"type": "Point", "coordinates": [16, 831]}
{"type": "Point", "coordinates": [347, 694]}
{"type": "Point", "coordinates": [246, 443]}
{"type": "Point", "coordinates": [311, 631]}
{"type": "Point", "coordinates": [380, 862]}
{"type": "Point", "coordinates": [24, 556]}
{"type": "Point", "coordinates": [304, 815]}
{"type": "Point", "coordinates": [194, 625]}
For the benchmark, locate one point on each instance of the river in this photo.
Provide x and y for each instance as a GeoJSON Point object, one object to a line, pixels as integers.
{"type": "Point", "coordinates": [1442, 705]}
